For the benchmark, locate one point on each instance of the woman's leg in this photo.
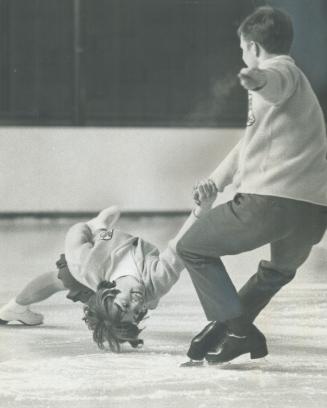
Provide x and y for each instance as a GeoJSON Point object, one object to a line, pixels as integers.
{"type": "Point", "coordinates": [40, 288]}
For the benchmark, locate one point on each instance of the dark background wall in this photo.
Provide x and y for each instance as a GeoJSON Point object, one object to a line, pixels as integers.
{"type": "Point", "coordinates": [37, 62]}
{"type": "Point", "coordinates": [137, 62]}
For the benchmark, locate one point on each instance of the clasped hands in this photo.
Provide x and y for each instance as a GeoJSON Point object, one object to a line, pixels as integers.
{"type": "Point", "coordinates": [205, 194]}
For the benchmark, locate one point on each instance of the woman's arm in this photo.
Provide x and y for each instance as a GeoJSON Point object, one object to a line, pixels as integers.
{"type": "Point", "coordinates": [82, 237]}
{"type": "Point", "coordinates": [78, 244]}
{"type": "Point", "coordinates": [204, 195]}
{"type": "Point", "coordinates": [162, 271]}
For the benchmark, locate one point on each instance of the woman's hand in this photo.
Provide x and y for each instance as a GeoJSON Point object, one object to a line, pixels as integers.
{"type": "Point", "coordinates": [205, 194]}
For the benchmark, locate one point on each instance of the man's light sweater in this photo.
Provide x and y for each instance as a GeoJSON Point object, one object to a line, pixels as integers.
{"type": "Point", "coordinates": [284, 152]}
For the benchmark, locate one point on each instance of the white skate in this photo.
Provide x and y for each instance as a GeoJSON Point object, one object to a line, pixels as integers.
{"type": "Point", "coordinates": [15, 312]}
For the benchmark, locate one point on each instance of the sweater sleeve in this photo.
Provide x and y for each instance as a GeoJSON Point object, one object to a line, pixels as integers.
{"type": "Point", "coordinates": [281, 82]}
{"type": "Point", "coordinates": [78, 244]}
{"type": "Point", "coordinates": [161, 271]}
{"type": "Point", "coordinates": [225, 172]}
{"type": "Point", "coordinates": [85, 252]}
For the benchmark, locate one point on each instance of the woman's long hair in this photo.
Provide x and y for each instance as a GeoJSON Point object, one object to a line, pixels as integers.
{"type": "Point", "coordinates": [103, 317]}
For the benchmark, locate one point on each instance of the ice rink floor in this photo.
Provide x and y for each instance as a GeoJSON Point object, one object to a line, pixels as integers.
{"type": "Point", "coordinates": [58, 365]}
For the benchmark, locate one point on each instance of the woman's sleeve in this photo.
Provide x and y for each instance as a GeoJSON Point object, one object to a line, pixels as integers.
{"type": "Point", "coordinates": [160, 273]}
{"type": "Point", "coordinates": [78, 244]}
{"type": "Point", "coordinates": [162, 270]}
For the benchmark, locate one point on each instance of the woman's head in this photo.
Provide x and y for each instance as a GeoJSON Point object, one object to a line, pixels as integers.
{"type": "Point", "coordinates": [107, 319]}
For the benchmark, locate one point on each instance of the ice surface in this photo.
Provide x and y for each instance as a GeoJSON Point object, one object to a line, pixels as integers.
{"type": "Point", "coordinates": [57, 365]}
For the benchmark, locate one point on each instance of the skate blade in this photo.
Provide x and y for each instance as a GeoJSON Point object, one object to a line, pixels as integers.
{"type": "Point", "coordinates": [3, 322]}
{"type": "Point", "coordinates": [192, 363]}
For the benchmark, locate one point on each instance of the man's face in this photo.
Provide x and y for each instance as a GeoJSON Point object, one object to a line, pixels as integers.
{"type": "Point", "coordinates": [130, 300]}
{"type": "Point", "coordinates": [249, 53]}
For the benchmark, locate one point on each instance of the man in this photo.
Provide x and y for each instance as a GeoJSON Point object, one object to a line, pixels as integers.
{"type": "Point", "coordinates": [280, 170]}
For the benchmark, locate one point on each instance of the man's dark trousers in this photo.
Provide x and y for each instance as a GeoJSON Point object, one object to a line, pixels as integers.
{"type": "Point", "coordinates": [247, 222]}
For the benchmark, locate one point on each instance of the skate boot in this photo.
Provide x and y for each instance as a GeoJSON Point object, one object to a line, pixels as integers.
{"type": "Point", "coordinates": [207, 339]}
{"type": "Point", "coordinates": [12, 311]}
{"type": "Point", "coordinates": [233, 346]}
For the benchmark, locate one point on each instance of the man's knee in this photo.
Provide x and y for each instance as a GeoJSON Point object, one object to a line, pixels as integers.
{"type": "Point", "coordinates": [278, 273]}
{"type": "Point", "coordinates": [286, 275]}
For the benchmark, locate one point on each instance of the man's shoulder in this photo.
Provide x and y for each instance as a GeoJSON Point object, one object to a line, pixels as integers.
{"type": "Point", "coordinates": [281, 63]}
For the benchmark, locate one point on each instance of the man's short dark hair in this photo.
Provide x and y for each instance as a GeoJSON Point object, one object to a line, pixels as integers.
{"type": "Point", "coordinates": [269, 27]}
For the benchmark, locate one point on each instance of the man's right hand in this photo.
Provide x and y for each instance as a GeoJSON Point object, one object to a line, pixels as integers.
{"type": "Point", "coordinates": [252, 78]}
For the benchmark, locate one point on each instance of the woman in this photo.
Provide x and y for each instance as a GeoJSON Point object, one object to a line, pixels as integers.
{"type": "Point", "coordinates": [117, 276]}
